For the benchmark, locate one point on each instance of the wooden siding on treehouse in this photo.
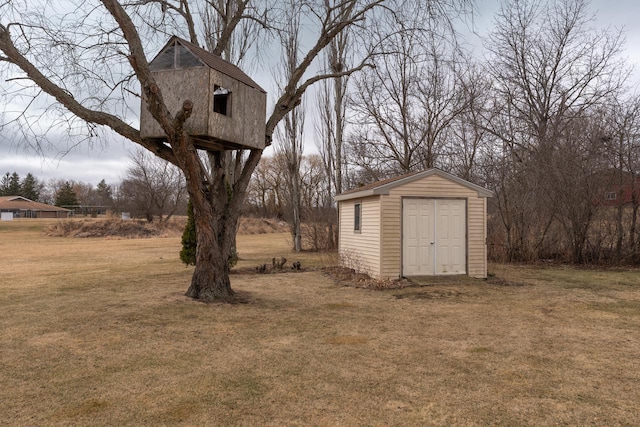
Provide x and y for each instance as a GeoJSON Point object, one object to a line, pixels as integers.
{"type": "Point", "coordinates": [245, 123]}
{"type": "Point", "coordinates": [361, 249]}
{"type": "Point", "coordinates": [432, 186]}
{"type": "Point", "coordinates": [177, 86]}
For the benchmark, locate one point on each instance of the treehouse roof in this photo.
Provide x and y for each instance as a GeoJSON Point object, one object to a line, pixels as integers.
{"type": "Point", "coordinates": [196, 56]}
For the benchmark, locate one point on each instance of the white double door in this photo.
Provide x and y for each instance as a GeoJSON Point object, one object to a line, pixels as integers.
{"type": "Point", "coordinates": [434, 237]}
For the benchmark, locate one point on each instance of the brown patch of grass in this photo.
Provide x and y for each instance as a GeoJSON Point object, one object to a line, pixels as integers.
{"type": "Point", "coordinates": [115, 228]}
{"type": "Point", "coordinates": [347, 340]}
{"type": "Point", "coordinates": [111, 227]}
{"type": "Point", "coordinates": [98, 332]}
{"type": "Point", "coordinates": [250, 225]}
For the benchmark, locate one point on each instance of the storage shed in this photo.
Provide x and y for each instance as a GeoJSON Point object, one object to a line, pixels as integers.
{"type": "Point", "coordinates": [419, 224]}
{"type": "Point", "coordinates": [229, 108]}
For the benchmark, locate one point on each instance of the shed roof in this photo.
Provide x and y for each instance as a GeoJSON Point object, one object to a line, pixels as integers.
{"type": "Point", "coordinates": [23, 204]}
{"type": "Point", "coordinates": [383, 187]}
{"type": "Point", "coordinates": [213, 61]}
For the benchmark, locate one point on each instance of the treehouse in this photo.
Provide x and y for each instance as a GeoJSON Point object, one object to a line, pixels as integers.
{"type": "Point", "coordinates": [229, 108]}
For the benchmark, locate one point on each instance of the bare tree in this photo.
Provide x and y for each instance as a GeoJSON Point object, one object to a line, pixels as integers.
{"type": "Point", "coordinates": [548, 67]}
{"type": "Point", "coordinates": [549, 70]}
{"type": "Point", "coordinates": [289, 134]}
{"type": "Point", "coordinates": [152, 187]}
{"type": "Point", "coordinates": [468, 143]}
{"type": "Point", "coordinates": [405, 105]}
{"type": "Point", "coordinates": [331, 126]}
{"type": "Point", "coordinates": [51, 55]}
{"type": "Point", "coordinates": [624, 133]}
{"type": "Point", "coordinates": [574, 180]}
{"type": "Point", "coordinates": [332, 106]}
{"type": "Point", "coordinates": [313, 179]}
{"type": "Point", "coordinates": [234, 41]}
{"type": "Point", "coordinates": [266, 188]}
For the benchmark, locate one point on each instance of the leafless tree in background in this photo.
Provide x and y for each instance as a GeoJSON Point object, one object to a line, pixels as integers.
{"type": "Point", "coordinates": [331, 127]}
{"type": "Point", "coordinates": [152, 187]}
{"type": "Point", "coordinates": [266, 189]}
{"type": "Point", "coordinates": [332, 108]}
{"type": "Point", "coordinates": [289, 135]}
{"type": "Point", "coordinates": [574, 180]}
{"type": "Point", "coordinates": [550, 72]}
{"type": "Point", "coordinates": [624, 155]}
{"type": "Point", "coordinates": [403, 108]}
{"type": "Point", "coordinates": [548, 67]}
{"type": "Point", "coordinates": [268, 195]}
{"type": "Point", "coordinates": [469, 145]}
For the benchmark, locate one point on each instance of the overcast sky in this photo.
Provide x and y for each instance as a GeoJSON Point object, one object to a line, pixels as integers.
{"type": "Point", "coordinates": [109, 160]}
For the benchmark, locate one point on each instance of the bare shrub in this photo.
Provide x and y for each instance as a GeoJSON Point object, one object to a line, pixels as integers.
{"type": "Point", "coordinates": [346, 276]}
{"type": "Point", "coordinates": [351, 259]}
{"type": "Point", "coordinates": [319, 236]}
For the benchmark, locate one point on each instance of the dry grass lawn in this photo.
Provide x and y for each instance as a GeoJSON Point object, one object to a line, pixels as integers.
{"type": "Point", "coordinates": [97, 332]}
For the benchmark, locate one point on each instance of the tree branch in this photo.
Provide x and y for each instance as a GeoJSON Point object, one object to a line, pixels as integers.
{"type": "Point", "coordinates": [67, 100]}
{"type": "Point", "coordinates": [331, 27]}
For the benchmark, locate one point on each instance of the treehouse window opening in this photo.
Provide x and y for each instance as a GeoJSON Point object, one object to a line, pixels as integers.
{"type": "Point", "coordinates": [221, 100]}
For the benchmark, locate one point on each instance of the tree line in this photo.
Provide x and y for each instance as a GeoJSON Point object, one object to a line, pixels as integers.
{"type": "Point", "coordinates": [12, 185]}
{"type": "Point", "coordinates": [150, 189]}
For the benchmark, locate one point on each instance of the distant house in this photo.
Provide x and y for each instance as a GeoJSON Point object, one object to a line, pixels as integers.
{"type": "Point", "coordinates": [419, 224]}
{"type": "Point", "coordinates": [229, 108]}
{"type": "Point", "coordinates": [21, 207]}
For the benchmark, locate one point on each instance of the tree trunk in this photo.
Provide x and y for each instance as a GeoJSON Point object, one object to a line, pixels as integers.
{"type": "Point", "coordinates": [216, 218]}
{"type": "Point", "coordinates": [632, 230]}
{"type": "Point", "coordinates": [216, 210]}
{"type": "Point", "coordinates": [338, 100]}
{"type": "Point", "coordinates": [619, 231]}
{"type": "Point", "coordinates": [210, 280]}
{"type": "Point", "coordinates": [296, 231]}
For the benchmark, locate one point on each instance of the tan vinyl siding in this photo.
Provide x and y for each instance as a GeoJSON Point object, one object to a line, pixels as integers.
{"type": "Point", "coordinates": [432, 186]}
{"type": "Point", "coordinates": [361, 249]}
{"type": "Point", "coordinates": [476, 238]}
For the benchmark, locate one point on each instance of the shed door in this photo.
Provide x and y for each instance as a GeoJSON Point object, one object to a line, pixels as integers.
{"type": "Point", "coordinates": [434, 237]}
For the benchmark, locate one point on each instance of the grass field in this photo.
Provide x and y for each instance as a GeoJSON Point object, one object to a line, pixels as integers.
{"type": "Point", "coordinates": [98, 332]}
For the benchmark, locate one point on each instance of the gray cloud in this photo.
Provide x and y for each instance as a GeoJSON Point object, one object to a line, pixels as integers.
{"type": "Point", "coordinates": [82, 163]}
